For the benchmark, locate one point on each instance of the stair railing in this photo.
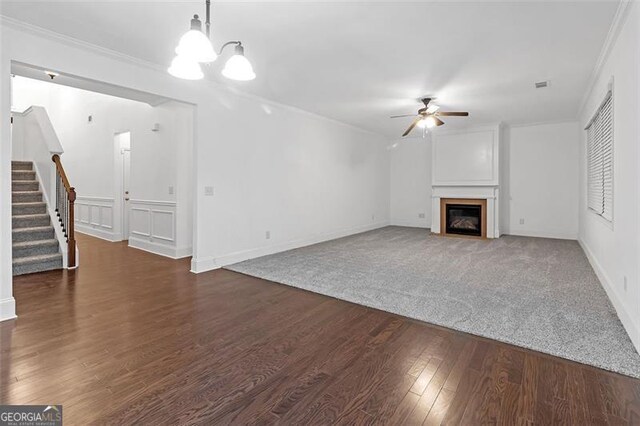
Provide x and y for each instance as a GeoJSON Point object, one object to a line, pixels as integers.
{"type": "Point", "coordinates": [65, 199]}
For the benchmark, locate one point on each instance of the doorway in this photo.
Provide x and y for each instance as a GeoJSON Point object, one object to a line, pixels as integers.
{"type": "Point", "coordinates": [123, 143]}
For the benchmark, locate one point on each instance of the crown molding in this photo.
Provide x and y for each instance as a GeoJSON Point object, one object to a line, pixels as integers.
{"type": "Point", "coordinates": [542, 123]}
{"type": "Point", "coordinates": [74, 42]}
{"type": "Point", "coordinates": [619, 19]}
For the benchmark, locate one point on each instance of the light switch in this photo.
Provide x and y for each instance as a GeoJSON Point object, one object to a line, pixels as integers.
{"type": "Point", "coordinates": [208, 191]}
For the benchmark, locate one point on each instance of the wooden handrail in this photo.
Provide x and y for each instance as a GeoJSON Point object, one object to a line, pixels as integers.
{"type": "Point", "coordinates": [60, 170]}
{"type": "Point", "coordinates": [65, 209]}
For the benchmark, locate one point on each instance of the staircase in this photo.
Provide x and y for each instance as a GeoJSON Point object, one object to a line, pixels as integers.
{"type": "Point", "coordinates": [35, 247]}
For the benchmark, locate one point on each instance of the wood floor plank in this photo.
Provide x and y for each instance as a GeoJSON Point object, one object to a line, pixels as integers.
{"type": "Point", "coordinates": [131, 337]}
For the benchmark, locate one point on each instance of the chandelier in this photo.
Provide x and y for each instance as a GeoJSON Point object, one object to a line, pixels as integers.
{"type": "Point", "coordinates": [195, 48]}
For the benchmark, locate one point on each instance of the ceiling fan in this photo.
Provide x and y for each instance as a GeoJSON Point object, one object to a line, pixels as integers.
{"type": "Point", "coordinates": [429, 116]}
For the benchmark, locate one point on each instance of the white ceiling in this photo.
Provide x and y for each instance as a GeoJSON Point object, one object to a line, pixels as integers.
{"type": "Point", "coordinates": [360, 62]}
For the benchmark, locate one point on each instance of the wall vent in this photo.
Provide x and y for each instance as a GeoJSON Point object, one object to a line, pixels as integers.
{"type": "Point", "coordinates": [542, 84]}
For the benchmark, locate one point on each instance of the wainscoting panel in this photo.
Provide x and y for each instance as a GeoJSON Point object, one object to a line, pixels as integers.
{"type": "Point", "coordinates": [106, 217]}
{"type": "Point", "coordinates": [153, 227]}
{"type": "Point", "coordinates": [466, 158]}
{"type": "Point", "coordinates": [94, 216]}
{"type": "Point", "coordinates": [140, 221]}
{"type": "Point", "coordinates": [163, 224]}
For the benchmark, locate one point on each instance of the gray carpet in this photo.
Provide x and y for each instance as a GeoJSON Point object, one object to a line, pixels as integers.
{"type": "Point", "coordinates": [536, 293]}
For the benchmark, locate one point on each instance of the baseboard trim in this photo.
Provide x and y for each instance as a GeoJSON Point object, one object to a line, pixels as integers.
{"type": "Point", "coordinates": [159, 249]}
{"type": "Point", "coordinates": [541, 234]}
{"type": "Point", "coordinates": [426, 224]}
{"type": "Point", "coordinates": [625, 317]}
{"type": "Point", "coordinates": [209, 263]}
{"type": "Point", "coordinates": [7, 309]}
{"type": "Point", "coordinates": [98, 233]}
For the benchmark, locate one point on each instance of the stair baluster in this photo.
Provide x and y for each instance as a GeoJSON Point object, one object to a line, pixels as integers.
{"type": "Point", "coordinates": [65, 199]}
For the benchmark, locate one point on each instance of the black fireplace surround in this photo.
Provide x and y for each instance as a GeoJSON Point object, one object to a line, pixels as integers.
{"type": "Point", "coordinates": [464, 219]}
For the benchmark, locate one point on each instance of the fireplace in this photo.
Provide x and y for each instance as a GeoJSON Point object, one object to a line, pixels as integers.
{"type": "Point", "coordinates": [463, 217]}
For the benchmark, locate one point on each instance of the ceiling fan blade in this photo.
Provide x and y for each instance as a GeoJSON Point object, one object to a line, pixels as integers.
{"type": "Point", "coordinates": [426, 101]}
{"type": "Point", "coordinates": [406, 132]}
{"type": "Point", "coordinates": [453, 114]}
{"type": "Point", "coordinates": [405, 115]}
{"type": "Point", "coordinates": [438, 121]}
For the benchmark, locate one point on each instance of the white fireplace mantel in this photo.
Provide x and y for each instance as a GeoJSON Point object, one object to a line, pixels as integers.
{"type": "Point", "coordinates": [466, 164]}
{"type": "Point", "coordinates": [489, 193]}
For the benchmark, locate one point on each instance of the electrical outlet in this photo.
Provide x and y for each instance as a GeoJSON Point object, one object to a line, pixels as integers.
{"type": "Point", "coordinates": [267, 235]}
{"type": "Point", "coordinates": [208, 191]}
{"type": "Point", "coordinates": [625, 283]}
{"type": "Point", "coordinates": [90, 119]}
{"type": "Point", "coordinates": [521, 221]}
{"type": "Point", "coordinates": [421, 215]}
{"type": "Point", "coordinates": [170, 190]}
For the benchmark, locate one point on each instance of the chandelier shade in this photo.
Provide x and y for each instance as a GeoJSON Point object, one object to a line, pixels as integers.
{"type": "Point", "coordinates": [238, 66]}
{"type": "Point", "coordinates": [183, 67]}
{"type": "Point", "coordinates": [195, 46]}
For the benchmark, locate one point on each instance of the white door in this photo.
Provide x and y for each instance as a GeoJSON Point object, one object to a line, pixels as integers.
{"type": "Point", "coordinates": [126, 203]}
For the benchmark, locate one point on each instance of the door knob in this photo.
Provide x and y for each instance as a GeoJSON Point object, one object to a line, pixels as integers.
{"type": "Point", "coordinates": [126, 199]}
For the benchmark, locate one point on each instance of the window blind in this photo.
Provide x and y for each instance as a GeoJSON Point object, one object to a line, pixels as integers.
{"type": "Point", "coordinates": [600, 160]}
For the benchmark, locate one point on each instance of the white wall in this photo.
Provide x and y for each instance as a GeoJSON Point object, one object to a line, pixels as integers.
{"type": "Point", "coordinates": [273, 168]}
{"type": "Point", "coordinates": [466, 157]}
{"type": "Point", "coordinates": [613, 247]}
{"type": "Point", "coordinates": [410, 182]}
{"type": "Point", "coordinates": [300, 177]}
{"type": "Point", "coordinates": [93, 162]}
{"type": "Point", "coordinates": [540, 181]}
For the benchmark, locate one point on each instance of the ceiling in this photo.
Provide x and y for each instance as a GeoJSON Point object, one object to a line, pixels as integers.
{"type": "Point", "coordinates": [360, 62]}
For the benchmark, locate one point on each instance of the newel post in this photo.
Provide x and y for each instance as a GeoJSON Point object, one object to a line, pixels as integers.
{"type": "Point", "coordinates": [72, 239]}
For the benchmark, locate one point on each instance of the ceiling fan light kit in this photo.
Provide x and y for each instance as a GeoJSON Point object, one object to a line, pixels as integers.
{"type": "Point", "coordinates": [429, 116]}
{"type": "Point", "coordinates": [195, 47]}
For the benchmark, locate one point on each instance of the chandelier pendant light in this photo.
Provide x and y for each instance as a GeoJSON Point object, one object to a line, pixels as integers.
{"type": "Point", "coordinates": [195, 47]}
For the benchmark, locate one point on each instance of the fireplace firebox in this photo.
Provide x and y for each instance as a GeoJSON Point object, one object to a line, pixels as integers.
{"type": "Point", "coordinates": [463, 217]}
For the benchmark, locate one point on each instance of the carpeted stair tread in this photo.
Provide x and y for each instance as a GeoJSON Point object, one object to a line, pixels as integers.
{"type": "Point", "coordinates": [25, 185]}
{"type": "Point", "coordinates": [21, 165]}
{"type": "Point", "coordinates": [35, 248]}
{"type": "Point", "coordinates": [17, 175]}
{"type": "Point", "coordinates": [30, 220]}
{"type": "Point", "coordinates": [31, 215]}
{"type": "Point", "coordinates": [36, 259]}
{"type": "Point", "coordinates": [33, 229]}
{"type": "Point", "coordinates": [37, 207]}
{"type": "Point", "coordinates": [26, 196]}
{"type": "Point", "coordinates": [39, 263]}
{"type": "Point", "coordinates": [38, 243]}
{"type": "Point", "coordinates": [34, 233]}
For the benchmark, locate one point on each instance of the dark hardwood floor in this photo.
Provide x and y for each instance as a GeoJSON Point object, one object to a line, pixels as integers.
{"type": "Point", "coordinates": [131, 337]}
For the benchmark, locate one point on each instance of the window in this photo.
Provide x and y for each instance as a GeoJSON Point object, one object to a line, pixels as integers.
{"type": "Point", "coordinates": [600, 160]}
